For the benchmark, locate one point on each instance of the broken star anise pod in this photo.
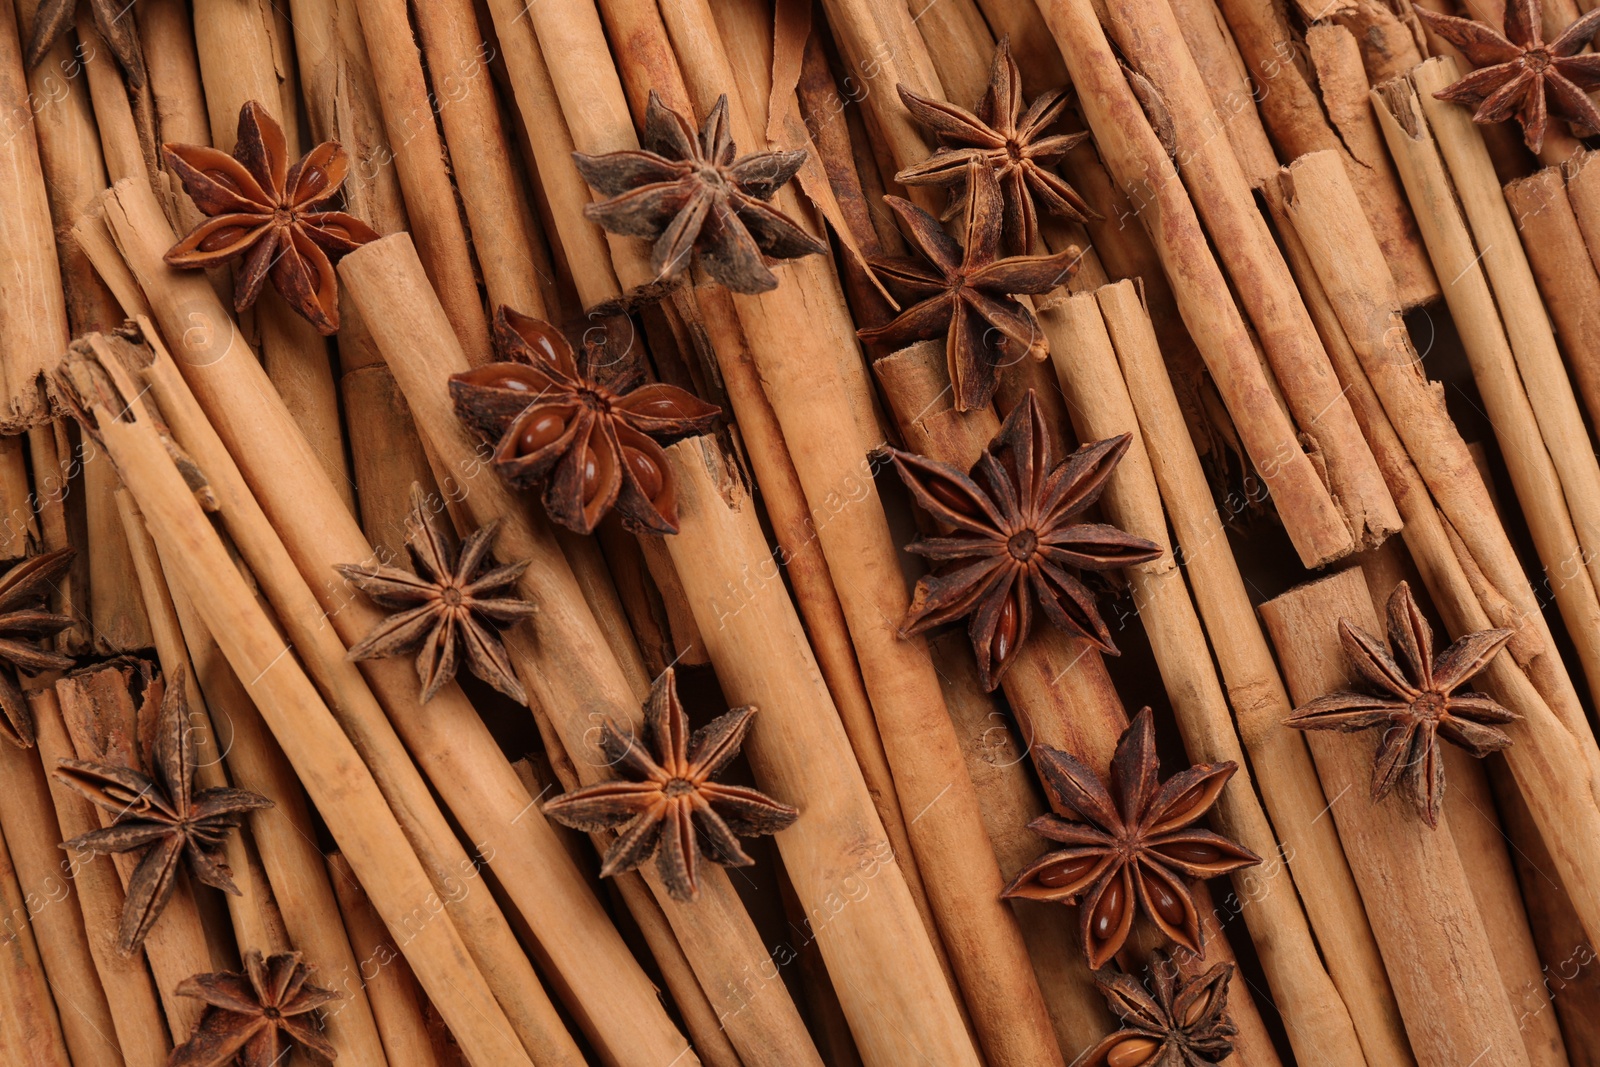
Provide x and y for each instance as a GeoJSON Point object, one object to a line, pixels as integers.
{"type": "Point", "coordinates": [24, 627]}
{"type": "Point", "coordinates": [667, 806]}
{"type": "Point", "coordinates": [693, 194]}
{"type": "Point", "coordinates": [1134, 846]}
{"type": "Point", "coordinates": [1011, 143]}
{"type": "Point", "coordinates": [1184, 1024]}
{"type": "Point", "coordinates": [1014, 539]}
{"type": "Point", "coordinates": [270, 214]}
{"type": "Point", "coordinates": [1416, 703]}
{"type": "Point", "coordinates": [161, 814]}
{"type": "Point", "coordinates": [1518, 75]}
{"type": "Point", "coordinates": [592, 442]}
{"type": "Point", "coordinates": [967, 296]}
{"type": "Point", "coordinates": [113, 20]}
{"type": "Point", "coordinates": [455, 603]}
{"type": "Point", "coordinates": [257, 1018]}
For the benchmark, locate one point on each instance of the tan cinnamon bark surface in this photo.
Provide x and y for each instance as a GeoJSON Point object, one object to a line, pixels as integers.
{"type": "Point", "coordinates": [29, 1029]}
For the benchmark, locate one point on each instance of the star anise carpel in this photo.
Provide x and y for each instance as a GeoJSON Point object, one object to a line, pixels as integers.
{"type": "Point", "coordinates": [1008, 141]}
{"type": "Point", "coordinates": [257, 1018]}
{"type": "Point", "coordinates": [25, 626]}
{"type": "Point", "coordinates": [1015, 540]}
{"type": "Point", "coordinates": [1130, 842]}
{"type": "Point", "coordinates": [694, 194]}
{"type": "Point", "coordinates": [113, 20]}
{"type": "Point", "coordinates": [1416, 702]}
{"type": "Point", "coordinates": [271, 215]}
{"type": "Point", "coordinates": [592, 442]}
{"type": "Point", "coordinates": [666, 804]}
{"type": "Point", "coordinates": [1519, 75]}
{"type": "Point", "coordinates": [161, 814]}
{"type": "Point", "coordinates": [967, 295]}
{"type": "Point", "coordinates": [453, 607]}
{"type": "Point", "coordinates": [1182, 1022]}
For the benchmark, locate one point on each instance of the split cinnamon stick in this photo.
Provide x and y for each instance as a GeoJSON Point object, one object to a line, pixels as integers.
{"type": "Point", "coordinates": [29, 1029]}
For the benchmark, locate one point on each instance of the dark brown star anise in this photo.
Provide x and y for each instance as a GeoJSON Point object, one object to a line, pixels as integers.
{"type": "Point", "coordinates": [667, 806]}
{"type": "Point", "coordinates": [113, 20]}
{"type": "Point", "coordinates": [1006, 141]}
{"type": "Point", "coordinates": [1520, 76]}
{"type": "Point", "coordinates": [1417, 703]}
{"type": "Point", "coordinates": [1185, 1024]}
{"type": "Point", "coordinates": [24, 626]}
{"type": "Point", "coordinates": [1013, 538]}
{"type": "Point", "coordinates": [161, 814]}
{"type": "Point", "coordinates": [691, 194]}
{"type": "Point", "coordinates": [1135, 845]}
{"type": "Point", "coordinates": [454, 602]}
{"type": "Point", "coordinates": [258, 1017]}
{"type": "Point", "coordinates": [269, 213]}
{"type": "Point", "coordinates": [550, 418]}
{"type": "Point", "coordinates": [967, 297]}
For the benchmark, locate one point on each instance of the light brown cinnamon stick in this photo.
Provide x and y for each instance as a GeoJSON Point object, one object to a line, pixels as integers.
{"type": "Point", "coordinates": [29, 1028]}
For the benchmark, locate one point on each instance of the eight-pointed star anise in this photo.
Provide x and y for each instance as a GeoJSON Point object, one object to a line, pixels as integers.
{"type": "Point", "coordinates": [24, 626]}
{"type": "Point", "coordinates": [1417, 703]}
{"type": "Point", "coordinates": [967, 296]}
{"type": "Point", "coordinates": [1518, 75]}
{"type": "Point", "coordinates": [667, 806]}
{"type": "Point", "coordinates": [1013, 537]}
{"type": "Point", "coordinates": [1003, 139]}
{"type": "Point", "coordinates": [161, 814]}
{"type": "Point", "coordinates": [269, 213]}
{"type": "Point", "coordinates": [113, 20]}
{"type": "Point", "coordinates": [1184, 1024]}
{"type": "Point", "coordinates": [256, 1017]}
{"type": "Point", "coordinates": [691, 194]}
{"type": "Point", "coordinates": [550, 418]}
{"type": "Point", "coordinates": [1134, 846]}
{"type": "Point", "coordinates": [454, 602]}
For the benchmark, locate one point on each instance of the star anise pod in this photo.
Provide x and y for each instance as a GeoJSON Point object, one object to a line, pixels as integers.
{"type": "Point", "coordinates": [1007, 141]}
{"type": "Point", "coordinates": [113, 19]}
{"type": "Point", "coordinates": [454, 603]}
{"type": "Point", "coordinates": [24, 626]}
{"type": "Point", "coordinates": [593, 442]}
{"type": "Point", "coordinates": [1013, 538]}
{"type": "Point", "coordinates": [1184, 1024]}
{"type": "Point", "coordinates": [258, 1017]}
{"type": "Point", "coordinates": [1518, 75]}
{"type": "Point", "coordinates": [269, 213]}
{"type": "Point", "coordinates": [1416, 704]}
{"type": "Point", "coordinates": [967, 296]}
{"type": "Point", "coordinates": [1134, 846]}
{"type": "Point", "coordinates": [162, 815]}
{"type": "Point", "coordinates": [667, 806]}
{"type": "Point", "coordinates": [693, 194]}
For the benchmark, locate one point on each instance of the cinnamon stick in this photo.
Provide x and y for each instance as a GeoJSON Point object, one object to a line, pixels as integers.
{"type": "Point", "coordinates": [29, 1029]}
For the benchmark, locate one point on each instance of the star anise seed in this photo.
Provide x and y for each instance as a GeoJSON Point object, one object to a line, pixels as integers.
{"type": "Point", "coordinates": [1184, 1024]}
{"type": "Point", "coordinates": [24, 626]}
{"type": "Point", "coordinates": [113, 20]}
{"type": "Point", "coordinates": [257, 1017]}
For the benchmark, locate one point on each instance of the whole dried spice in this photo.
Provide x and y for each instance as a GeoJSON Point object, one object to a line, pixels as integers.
{"type": "Point", "coordinates": [667, 806]}
{"type": "Point", "coordinates": [967, 295]}
{"type": "Point", "coordinates": [113, 21]}
{"type": "Point", "coordinates": [1184, 1024]}
{"type": "Point", "coordinates": [269, 214]}
{"type": "Point", "coordinates": [1134, 846]}
{"type": "Point", "coordinates": [24, 626]}
{"type": "Point", "coordinates": [455, 603]}
{"type": "Point", "coordinates": [695, 194]}
{"type": "Point", "coordinates": [1520, 76]}
{"type": "Point", "coordinates": [1416, 704]}
{"type": "Point", "coordinates": [1014, 540]}
{"type": "Point", "coordinates": [592, 442]}
{"type": "Point", "coordinates": [259, 1017]}
{"type": "Point", "coordinates": [162, 815]}
{"type": "Point", "coordinates": [1007, 141]}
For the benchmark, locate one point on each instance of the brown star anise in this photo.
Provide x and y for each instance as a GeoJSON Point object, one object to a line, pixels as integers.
{"type": "Point", "coordinates": [1007, 142]}
{"type": "Point", "coordinates": [113, 19]}
{"type": "Point", "coordinates": [1522, 77]}
{"type": "Point", "coordinates": [667, 806]}
{"type": "Point", "coordinates": [1135, 844]}
{"type": "Point", "coordinates": [268, 212]}
{"type": "Point", "coordinates": [257, 1017]}
{"type": "Point", "coordinates": [550, 418]}
{"type": "Point", "coordinates": [24, 625]}
{"type": "Point", "coordinates": [689, 194]}
{"type": "Point", "coordinates": [1185, 1024]}
{"type": "Point", "coordinates": [1418, 702]}
{"type": "Point", "coordinates": [967, 296]}
{"type": "Point", "coordinates": [163, 815]}
{"type": "Point", "coordinates": [454, 602]}
{"type": "Point", "coordinates": [1013, 539]}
